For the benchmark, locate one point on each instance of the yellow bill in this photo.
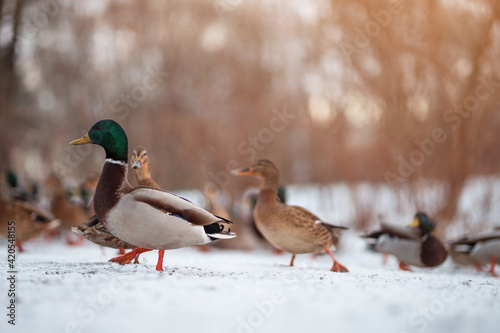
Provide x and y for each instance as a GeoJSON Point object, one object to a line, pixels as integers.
{"type": "Point", "coordinates": [414, 223]}
{"type": "Point", "coordinates": [81, 141]}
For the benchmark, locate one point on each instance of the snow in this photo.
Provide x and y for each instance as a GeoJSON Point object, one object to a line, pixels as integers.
{"type": "Point", "coordinates": [75, 289]}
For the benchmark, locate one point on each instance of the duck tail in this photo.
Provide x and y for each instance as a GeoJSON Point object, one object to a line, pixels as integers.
{"type": "Point", "coordinates": [219, 230]}
{"type": "Point", "coordinates": [332, 227]}
{"type": "Point", "coordinates": [83, 228]}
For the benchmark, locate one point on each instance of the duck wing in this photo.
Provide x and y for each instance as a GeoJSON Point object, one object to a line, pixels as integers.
{"type": "Point", "coordinates": [94, 231]}
{"type": "Point", "coordinates": [401, 232]}
{"type": "Point", "coordinates": [472, 240]}
{"type": "Point", "coordinates": [37, 214]}
{"type": "Point", "coordinates": [170, 203]}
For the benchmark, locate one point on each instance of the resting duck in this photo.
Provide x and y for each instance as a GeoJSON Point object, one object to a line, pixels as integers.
{"type": "Point", "coordinates": [71, 213]}
{"type": "Point", "coordinates": [290, 228]}
{"type": "Point", "coordinates": [148, 218]}
{"type": "Point", "coordinates": [414, 245]}
{"type": "Point", "coordinates": [95, 231]}
{"type": "Point", "coordinates": [30, 221]}
{"type": "Point", "coordinates": [478, 250]}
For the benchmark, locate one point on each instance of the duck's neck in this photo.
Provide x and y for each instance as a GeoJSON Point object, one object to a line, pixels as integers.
{"type": "Point", "coordinates": [268, 192]}
{"type": "Point", "coordinates": [268, 197]}
{"type": "Point", "coordinates": [143, 173]}
{"type": "Point", "coordinates": [108, 192]}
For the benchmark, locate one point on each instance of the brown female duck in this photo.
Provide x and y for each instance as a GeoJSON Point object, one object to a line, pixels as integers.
{"type": "Point", "coordinates": [140, 163]}
{"type": "Point", "coordinates": [69, 212]}
{"type": "Point", "coordinates": [25, 219]}
{"type": "Point", "coordinates": [290, 228]}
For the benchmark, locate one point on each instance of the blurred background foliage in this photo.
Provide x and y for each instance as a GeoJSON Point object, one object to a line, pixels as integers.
{"type": "Point", "coordinates": [331, 91]}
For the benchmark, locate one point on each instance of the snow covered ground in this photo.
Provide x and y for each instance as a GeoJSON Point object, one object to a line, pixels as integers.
{"type": "Point", "coordinates": [75, 289]}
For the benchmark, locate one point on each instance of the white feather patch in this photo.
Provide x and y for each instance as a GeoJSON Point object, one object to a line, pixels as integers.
{"type": "Point", "coordinates": [112, 161]}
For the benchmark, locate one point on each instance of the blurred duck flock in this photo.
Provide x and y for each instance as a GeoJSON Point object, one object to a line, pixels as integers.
{"type": "Point", "coordinates": [250, 166]}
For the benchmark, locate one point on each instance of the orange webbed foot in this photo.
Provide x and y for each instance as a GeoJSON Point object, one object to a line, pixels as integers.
{"type": "Point", "coordinates": [128, 257]}
{"type": "Point", "coordinates": [404, 267]}
{"type": "Point", "coordinates": [337, 267]}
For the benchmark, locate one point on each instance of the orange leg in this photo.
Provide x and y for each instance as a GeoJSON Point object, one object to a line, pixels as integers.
{"type": "Point", "coordinates": [337, 267]}
{"type": "Point", "coordinates": [128, 257]}
{"type": "Point", "coordinates": [404, 267]}
{"type": "Point", "coordinates": [159, 265]}
{"type": "Point", "coordinates": [293, 258]}
{"type": "Point", "coordinates": [202, 248]}
{"type": "Point", "coordinates": [479, 267]}
{"type": "Point", "coordinates": [277, 252]}
{"type": "Point", "coordinates": [121, 250]}
{"type": "Point", "coordinates": [19, 245]}
{"type": "Point", "coordinates": [385, 257]}
{"type": "Point", "coordinates": [493, 262]}
{"type": "Point", "coordinates": [73, 239]}
{"type": "Point", "coordinates": [136, 259]}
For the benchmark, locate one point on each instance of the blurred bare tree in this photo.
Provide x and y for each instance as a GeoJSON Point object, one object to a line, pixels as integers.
{"type": "Point", "coordinates": [392, 92]}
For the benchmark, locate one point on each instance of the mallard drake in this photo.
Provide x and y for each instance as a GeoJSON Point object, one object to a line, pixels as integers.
{"type": "Point", "coordinates": [95, 231]}
{"type": "Point", "coordinates": [414, 245]}
{"type": "Point", "coordinates": [477, 250]}
{"type": "Point", "coordinates": [291, 228]}
{"type": "Point", "coordinates": [148, 218]}
{"type": "Point", "coordinates": [30, 221]}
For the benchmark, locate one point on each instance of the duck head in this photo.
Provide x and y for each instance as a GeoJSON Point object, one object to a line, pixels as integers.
{"type": "Point", "coordinates": [422, 222]}
{"type": "Point", "coordinates": [109, 135]}
{"type": "Point", "coordinates": [265, 170]}
{"type": "Point", "coordinates": [139, 158]}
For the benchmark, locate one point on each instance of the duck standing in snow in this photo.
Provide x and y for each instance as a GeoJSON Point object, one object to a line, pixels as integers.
{"type": "Point", "coordinates": [291, 228]}
{"type": "Point", "coordinates": [478, 250]}
{"type": "Point", "coordinates": [95, 231]}
{"type": "Point", "coordinates": [414, 245]}
{"type": "Point", "coordinates": [148, 218]}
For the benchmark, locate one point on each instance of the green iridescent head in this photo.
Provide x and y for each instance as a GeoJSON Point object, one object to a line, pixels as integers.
{"type": "Point", "coordinates": [423, 222]}
{"type": "Point", "coordinates": [109, 135]}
